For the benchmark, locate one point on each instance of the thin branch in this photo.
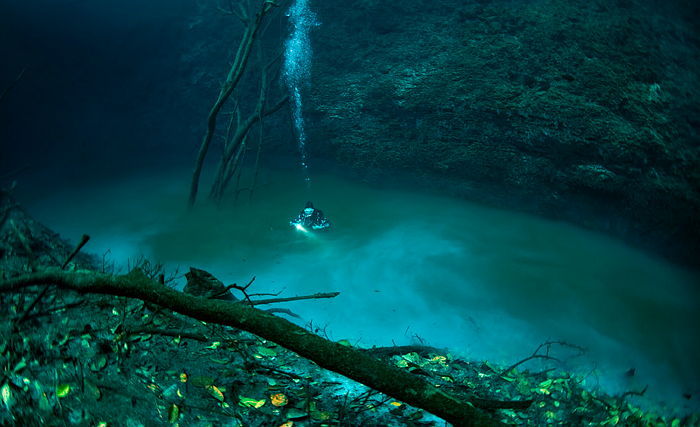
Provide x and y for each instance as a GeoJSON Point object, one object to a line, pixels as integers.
{"type": "Point", "coordinates": [536, 354]}
{"type": "Point", "coordinates": [232, 79]}
{"type": "Point", "coordinates": [527, 359]}
{"type": "Point", "coordinates": [302, 297]}
{"type": "Point", "coordinates": [193, 335]}
{"type": "Point", "coordinates": [83, 241]}
{"type": "Point", "coordinates": [266, 294]}
{"type": "Point", "coordinates": [23, 241]}
{"type": "Point", "coordinates": [635, 393]}
{"type": "Point", "coordinates": [55, 309]}
{"type": "Point", "coordinates": [223, 292]}
{"type": "Point", "coordinates": [286, 311]}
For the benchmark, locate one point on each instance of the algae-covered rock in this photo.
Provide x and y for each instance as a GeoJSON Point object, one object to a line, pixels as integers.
{"type": "Point", "coordinates": [583, 111]}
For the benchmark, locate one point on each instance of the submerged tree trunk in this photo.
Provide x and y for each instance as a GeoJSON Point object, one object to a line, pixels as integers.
{"type": "Point", "coordinates": [347, 361]}
{"type": "Point", "coordinates": [253, 25]}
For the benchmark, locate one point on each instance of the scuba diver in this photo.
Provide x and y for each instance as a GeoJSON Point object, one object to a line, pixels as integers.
{"type": "Point", "coordinates": [310, 218]}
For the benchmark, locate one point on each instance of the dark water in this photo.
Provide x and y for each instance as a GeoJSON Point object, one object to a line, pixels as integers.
{"type": "Point", "coordinates": [410, 267]}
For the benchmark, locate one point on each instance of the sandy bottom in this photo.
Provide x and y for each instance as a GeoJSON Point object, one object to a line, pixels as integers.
{"type": "Point", "coordinates": [410, 267]}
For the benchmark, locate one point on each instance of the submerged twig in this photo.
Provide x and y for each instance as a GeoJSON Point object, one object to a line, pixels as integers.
{"type": "Point", "coordinates": [56, 309]}
{"type": "Point", "coordinates": [169, 333]}
{"type": "Point", "coordinates": [536, 354]}
{"type": "Point", "coordinates": [23, 241]}
{"type": "Point", "coordinates": [276, 300]}
{"type": "Point", "coordinates": [83, 241]}
{"type": "Point", "coordinates": [635, 393]}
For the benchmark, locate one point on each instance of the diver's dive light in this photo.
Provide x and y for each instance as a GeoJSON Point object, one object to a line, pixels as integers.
{"type": "Point", "coordinates": [300, 227]}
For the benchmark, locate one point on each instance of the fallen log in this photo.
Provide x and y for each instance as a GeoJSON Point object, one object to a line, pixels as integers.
{"type": "Point", "coordinates": [347, 361]}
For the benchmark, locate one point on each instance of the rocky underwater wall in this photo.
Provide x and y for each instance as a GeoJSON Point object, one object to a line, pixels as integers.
{"type": "Point", "coordinates": [582, 111]}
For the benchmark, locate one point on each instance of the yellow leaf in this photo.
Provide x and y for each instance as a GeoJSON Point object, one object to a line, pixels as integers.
{"type": "Point", "coordinates": [439, 359]}
{"type": "Point", "coordinates": [397, 404]}
{"type": "Point", "coordinates": [251, 403]}
{"type": "Point", "coordinates": [278, 399]}
{"type": "Point", "coordinates": [287, 424]}
{"type": "Point", "coordinates": [183, 377]}
{"type": "Point", "coordinates": [62, 390]}
{"type": "Point", "coordinates": [214, 391]}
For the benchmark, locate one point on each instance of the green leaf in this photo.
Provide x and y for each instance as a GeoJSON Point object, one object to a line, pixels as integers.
{"type": "Point", "coordinates": [267, 352]}
{"type": "Point", "coordinates": [99, 363]}
{"type": "Point", "coordinates": [6, 393]}
{"type": "Point", "coordinates": [20, 365]}
{"type": "Point", "coordinates": [546, 384]}
{"type": "Point", "coordinates": [62, 390]}
{"type": "Point", "coordinates": [293, 413]}
{"type": "Point", "coordinates": [173, 413]}
{"type": "Point", "coordinates": [216, 392]}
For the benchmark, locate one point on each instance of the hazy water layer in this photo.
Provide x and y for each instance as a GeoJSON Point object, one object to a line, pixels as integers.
{"type": "Point", "coordinates": [485, 283]}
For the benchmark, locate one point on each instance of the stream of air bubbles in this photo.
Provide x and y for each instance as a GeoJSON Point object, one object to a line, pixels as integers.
{"type": "Point", "coordinates": [297, 68]}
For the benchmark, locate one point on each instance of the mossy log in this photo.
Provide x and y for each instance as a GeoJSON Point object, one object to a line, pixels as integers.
{"type": "Point", "coordinates": [347, 361]}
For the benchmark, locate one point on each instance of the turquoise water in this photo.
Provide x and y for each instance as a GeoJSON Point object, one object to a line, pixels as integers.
{"type": "Point", "coordinates": [411, 267]}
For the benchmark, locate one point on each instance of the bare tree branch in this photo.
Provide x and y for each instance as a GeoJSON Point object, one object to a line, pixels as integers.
{"type": "Point", "coordinates": [236, 71]}
{"type": "Point", "coordinates": [347, 361]}
{"type": "Point", "coordinates": [302, 297]}
{"type": "Point", "coordinates": [536, 354]}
